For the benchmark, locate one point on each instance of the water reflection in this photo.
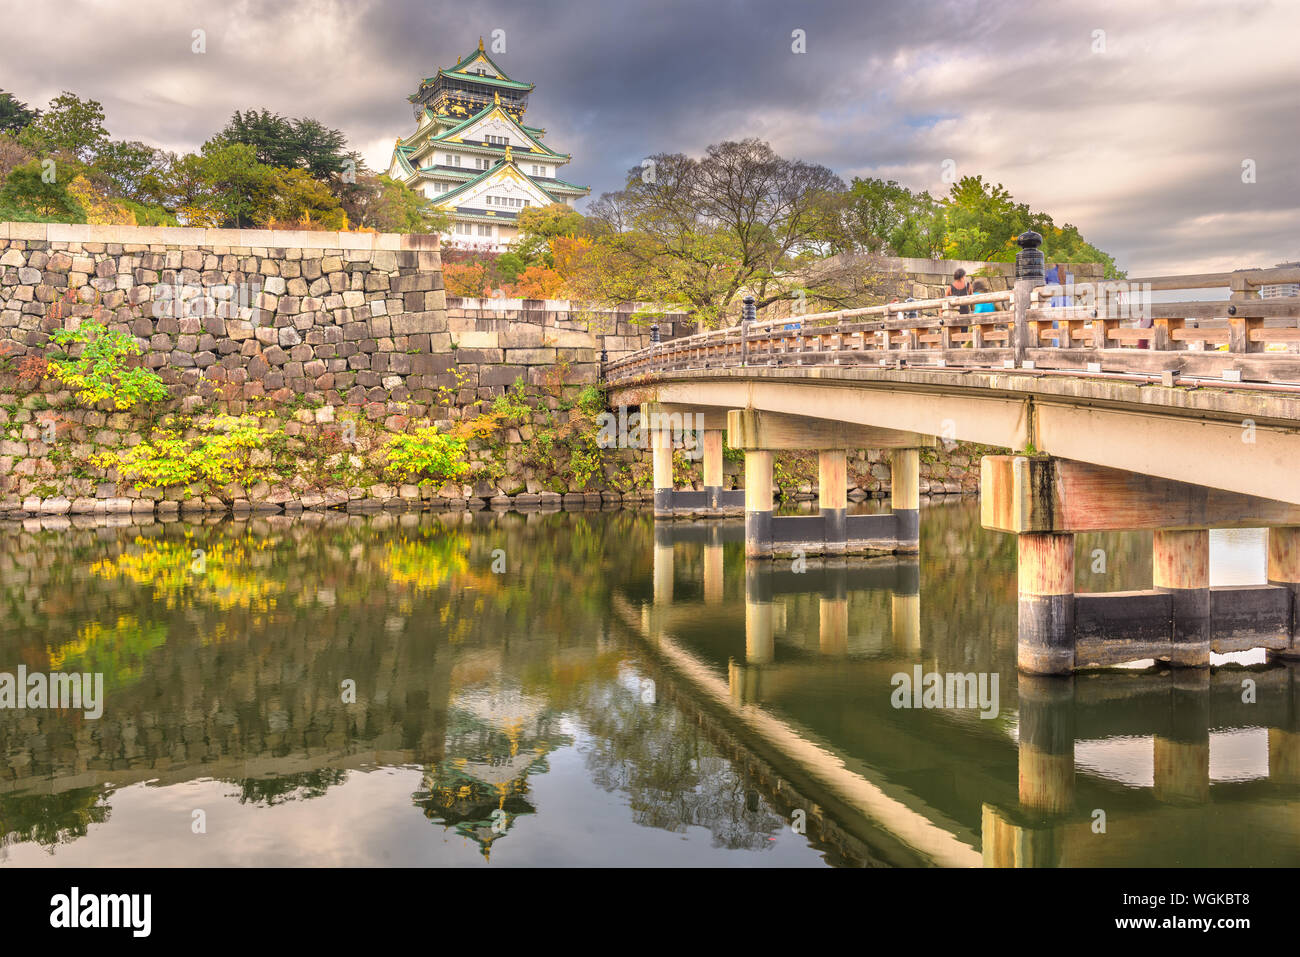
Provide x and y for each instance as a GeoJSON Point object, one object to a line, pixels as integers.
{"type": "Point", "coordinates": [612, 693]}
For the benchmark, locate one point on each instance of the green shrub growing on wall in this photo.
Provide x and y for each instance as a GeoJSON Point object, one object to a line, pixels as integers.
{"type": "Point", "coordinates": [218, 454]}
{"type": "Point", "coordinates": [427, 454]}
{"type": "Point", "coordinates": [100, 372]}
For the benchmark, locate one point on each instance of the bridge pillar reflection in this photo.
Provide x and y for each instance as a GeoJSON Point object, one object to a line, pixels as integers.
{"type": "Point", "coordinates": [713, 572]}
{"type": "Point", "coordinates": [833, 614]}
{"type": "Point", "coordinates": [905, 622]}
{"type": "Point", "coordinates": [663, 568]}
{"type": "Point", "coordinates": [1033, 834]}
{"type": "Point", "coordinates": [1181, 752]}
{"type": "Point", "coordinates": [760, 625]}
{"type": "Point", "coordinates": [1046, 748]}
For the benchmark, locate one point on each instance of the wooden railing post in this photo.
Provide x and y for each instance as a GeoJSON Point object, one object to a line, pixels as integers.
{"type": "Point", "coordinates": [1020, 329]}
{"type": "Point", "coordinates": [1240, 327]}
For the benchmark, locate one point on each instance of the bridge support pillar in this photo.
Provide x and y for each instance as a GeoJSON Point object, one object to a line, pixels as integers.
{"type": "Point", "coordinates": [712, 452]}
{"type": "Point", "coordinates": [905, 496]}
{"type": "Point", "coordinates": [832, 495]}
{"type": "Point", "coordinates": [1046, 611]}
{"type": "Point", "coordinates": [758, 504]}
{"type": "Point", "coordinates": [661, 449]}
{"type": "Point", "coordinates": [1181, 569]}
{"type": "Point", "coordinates": [1284, 571]}
{"type": "Point", "coordinates": [698, 432]}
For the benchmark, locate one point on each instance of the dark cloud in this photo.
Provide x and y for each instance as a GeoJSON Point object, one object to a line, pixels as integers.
{"type": "Point", "coordinates": [1140, 145]}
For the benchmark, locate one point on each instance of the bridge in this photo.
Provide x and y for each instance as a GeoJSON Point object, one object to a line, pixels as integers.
{"type": "Point", "coordinates": [1118, 412]}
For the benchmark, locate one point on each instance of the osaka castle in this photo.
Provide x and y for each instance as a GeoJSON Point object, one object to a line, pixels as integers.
{"type": "Point", "coordinates": [472, 154]}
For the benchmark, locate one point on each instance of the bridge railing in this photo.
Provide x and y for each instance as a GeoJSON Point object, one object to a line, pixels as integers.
{"type": "Point", "coordinates": [1108, 328]}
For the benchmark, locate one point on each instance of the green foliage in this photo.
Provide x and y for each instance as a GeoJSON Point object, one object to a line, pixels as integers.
{"type": "Point", "coordinates": [538, 226]}
{"type": "Point", "coordinates": [513, 404]}
{"type": "Point", "coordinates": [29, 195]}
{"type": "Point", "coordinates": [427, 454]}
{"type": "Point", "coordinates": [148, 215]}
{"type": "Point", "coordinates": [222, 185]}
{"type": "Point", "coordinates": [217, 454]}
{"type": "Point", "coordinates": [134, 170]}
{"type": "Point", "coordinates": [15, 115]}
{"type": "Point", "coordinates": [100, 370]}
{"type": "Point", "coordinates": [975, 221]}
{"type": "Point", "coordinates": [277, 141]}
{"type": "Point", "coordinates": [70, 125]}
{"type": "Point", "coordinates": [386, 205]}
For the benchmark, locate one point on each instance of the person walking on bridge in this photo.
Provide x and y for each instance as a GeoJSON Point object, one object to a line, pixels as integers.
{"type": "Point", "coordinates": [960, 286]}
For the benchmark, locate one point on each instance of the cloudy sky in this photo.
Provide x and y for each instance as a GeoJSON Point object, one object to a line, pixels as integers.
{"type": "Point", "coordinates": [1131, 120]}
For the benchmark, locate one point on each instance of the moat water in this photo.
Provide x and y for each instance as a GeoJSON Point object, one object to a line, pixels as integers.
{"type": "Point", "coordinates": [477, 689]}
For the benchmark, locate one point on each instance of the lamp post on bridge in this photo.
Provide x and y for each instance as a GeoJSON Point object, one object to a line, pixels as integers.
{"type": "Point", "coordinates": [1030, 273]}
{"type": "Point", "coordinates": [747, 314]}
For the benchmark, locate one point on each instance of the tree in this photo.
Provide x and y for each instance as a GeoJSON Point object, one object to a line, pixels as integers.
{"type": "Point", "coordinates": [292, 199]}
{"type": "Point", "coordinates": [287, 143]}
{"type": "Point", "coordinates": [26, 195]}
{"type": "Point", "coordinates": [883, 218]}
{"type": "Point", "coordinates": [538, 227]}
{"type": "Point", "coordinates": [70, 125]}
{"type": "Point", "coordinates": [15, 115]}
{"type": "Point", "coordinates": [135, 170]}
{"type": "Point", "coordinates": [387, 206]}
{"type": "Point", "coordinates": [221, 186]}
{"type": "Point", "coordinates": [538, 282]}
{"type": "Point", "coordinates": [696, 232]}
{"type": "Point", "coordinates": [269, 134]}
{"type": "Point", "coordinates": [982, 221]}
{"type": "Point", "coordinates": [100, 208]}
{"type": "Point", "coordinates": [469, 279]}
{"type": "Point", "coordinates": [12, 155]}
{"type": "Point", "coordinates": [318, 149]}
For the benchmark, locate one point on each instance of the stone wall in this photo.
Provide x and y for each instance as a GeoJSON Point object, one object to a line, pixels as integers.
{"type": "Point", "coordinates": [340, 318]}
{"type": "Point", "coordinates": [311, 331]}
